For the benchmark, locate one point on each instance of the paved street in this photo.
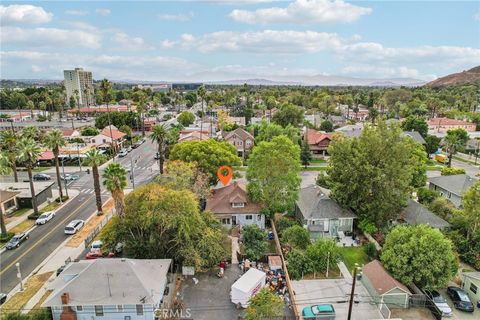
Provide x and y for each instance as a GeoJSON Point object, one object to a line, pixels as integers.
{"type": "Point", "coordinates": [44, 239]}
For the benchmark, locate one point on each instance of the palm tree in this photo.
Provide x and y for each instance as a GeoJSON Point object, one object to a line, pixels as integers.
{"type": "Point", "coordinates": [77, 99]}
{"type": "Point", "coordinates": [105, 91]}
{"type": "Point", "coordinates": [115, 180]}
{"type": "Point", "coordinates": [30, 106]}
{"type": "Point", "coordinates": [201, 93]}
{"type": "Point", "coordinates": [159, 135]}
{"type": "Point", "coordinates": [28, 153]}
{"type": "Point", "coordinates": [141, 109]}
{"type": "Point", "coordinates": [54, 140]}
{"type": "Point", "coordinates": [31, 132]}
{"type": "Point", "coordinates": [94, 159]}
{"type": "Point", "coordinates": [5, 169]}
{"type": "Point", "coordinates": [9, 140]}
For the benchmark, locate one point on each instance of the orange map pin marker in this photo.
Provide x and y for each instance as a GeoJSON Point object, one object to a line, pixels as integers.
{"type": "Point", "coordinates": [225, 179]}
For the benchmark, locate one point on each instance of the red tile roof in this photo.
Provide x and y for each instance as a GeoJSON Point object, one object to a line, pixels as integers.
{"type": "Point", "coordinates": [67, 132]}
{"type": "Point", "coordinates": [380, 279]}
{"type": "Point", "coordinates": [46, 155]}
{"type": "Point", "coordinates": [221, 200]}
{"type": "Point", "coordinates": [99, 109]}
{"type": "Point", "coordinates": [314, 136]}
{"type": "Point", "coordinates": [448, 122]}
{"type": "Point", "coordinates": [116, 134]}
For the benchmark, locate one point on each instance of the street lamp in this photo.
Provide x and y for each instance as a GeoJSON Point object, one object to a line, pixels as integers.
{"type": "Point", "coordinates": [19, 275]}
{"type": "Point", "coordinates": [64, 180]}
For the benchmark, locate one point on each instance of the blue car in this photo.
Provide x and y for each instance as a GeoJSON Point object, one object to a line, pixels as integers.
{"type": "Point", "coordinates": [319, 311]}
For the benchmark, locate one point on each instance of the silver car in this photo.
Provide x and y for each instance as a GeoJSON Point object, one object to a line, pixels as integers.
{"type": "Point", "coordinates": [45, 217]}
{"type": "Point", "coordinates": [74, 226]}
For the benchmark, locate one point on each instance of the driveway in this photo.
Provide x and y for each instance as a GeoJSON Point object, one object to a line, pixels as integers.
{"type": "Point", "coordinates": [457, 314]}
{"type": "Point", "coordinates": [308, 178]}
{"type": "Point", "coordinates": [336, 292]}
{"type": "Point", "coordinates": [210, 297]}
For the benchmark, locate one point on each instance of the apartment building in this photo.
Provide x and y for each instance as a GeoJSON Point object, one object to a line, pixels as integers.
{"type": "Point", "coordinates": [79, 84]}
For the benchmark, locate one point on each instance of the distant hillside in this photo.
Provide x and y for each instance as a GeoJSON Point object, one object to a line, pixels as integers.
{"type": "Point", "coordinates": [469, 76]}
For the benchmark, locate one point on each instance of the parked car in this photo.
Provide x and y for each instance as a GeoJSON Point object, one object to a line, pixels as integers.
{"type": "Point", "coordinates": [99, 254]}
{"type": "Point", "coordinates": [319, 311]}
{"type": "Point", "coordinates": [45, 217]}
{"type": "Point", "coordinates": [16, 241]}
{"type": "Point", "coordinates": [60, 270]}
{"type": "Point", "coordinates": [41, 177]}
{"type": "Point", "coordinates": [74, 226]}
{"type": "Point", "coordinates": [129, 149]}
{"type": "Point", "coordinates": [157, 156]}
{"type": "Point", "coordinates": [460, 299]}
{"type": "Point", "coordinates": [69, 177]}
{"type": "Point", "coordinates": [440, 302]}
{"type": "Point", "coordinates": [96, 245]}
{"type": "Point", "coordinates": [3, 298]}
{"type": "Point", "coordinates": [122, 153]}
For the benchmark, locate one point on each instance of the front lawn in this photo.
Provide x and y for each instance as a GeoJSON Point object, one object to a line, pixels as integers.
{"type": "Point", "coordinates": [352, 255]}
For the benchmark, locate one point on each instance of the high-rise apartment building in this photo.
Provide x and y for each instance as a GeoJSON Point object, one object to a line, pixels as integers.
{"type": "Point", "coordinates": [79, 84]}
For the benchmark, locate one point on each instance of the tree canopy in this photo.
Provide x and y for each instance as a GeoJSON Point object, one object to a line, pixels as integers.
{"type": "Point", "coordinates": [420, 255]}
{"type": "Point", "coordinates": [267, 131]}
{"type": "Point", "coordinates": [273, 173]}
{"type": "Point", "coordinates": [288, 114]}
{"type": "Point", "coordinates": [186, 118]}
{"type": "Point", "coordinates": [264, 305]}
{"type": "Point", "coordinates": [412, 123]}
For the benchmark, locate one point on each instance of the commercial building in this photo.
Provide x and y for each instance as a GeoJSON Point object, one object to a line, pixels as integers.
{"type": "Point", "coordinates": [79, 84]}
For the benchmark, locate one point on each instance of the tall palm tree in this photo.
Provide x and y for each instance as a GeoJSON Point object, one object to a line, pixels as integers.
{"type": "Point", "coordinates": [95, 159]}
{"type": "Point", "coordinates": [31, 132]}
{"type": "Point", "coordinates": [54, 140]}
{"type": "Point", "coordinates": [28, 153]}
{"type": "Point", "coordinates": [9, 139]}
{"type": "Point", "coordinates": [105, 92]}
{"type": "Point", "coordinates": [201, 92]}
{"type": "Point", "coordinates": [5, 169]}
{"type": "Point", "coordinates": [115, 180]}
{"type": "Point", "coordinates": [30, 106]}
{"type": "Point", "coordinates": [159, 135]}
{"type": "Point", "coordinates": [141, 109]}
{"type": "Point", "coordinates": [77, 99]}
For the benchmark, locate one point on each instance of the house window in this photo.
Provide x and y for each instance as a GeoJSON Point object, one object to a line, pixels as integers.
{"type": "Point", "coordinates": [120, 308]}
{"type": "Point", "coordinates": [99, 311]}
{"type": "Point", "coordinates": [473, 288]}
{"type": "Point", "coordinates": [127, 318]}
{"type": "Point", "coordinates": [238, 205]}
{"type": "Point", "coordinates": [249, 217]}
{"type": "Point", "coordinates": [79, 308]}
{"type": "Point", "coordinates": [139, 308]}
{"type": "Point", "coordinates": [259, 217]}
{"type": "Point", "coordinates": [240, 143]}
{"type": "Point", "coordinates": [104, 140]}
{"type": "Point", "coordinates": [248, 142]}
{"type": "Point", "coordinates": [226, 221]}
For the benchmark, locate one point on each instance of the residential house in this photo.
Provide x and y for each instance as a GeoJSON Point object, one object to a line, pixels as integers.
{"type": "Point", "coordinates": [193, 135]}
{"type": "Point", "coordinates": [237, 120]}
{"type": "Point", "coordinates": [43, 192]}
{"type": "Point", "coordinates": [8, 201]}
{"type": "Point", "coordinates": [109, 136]}
{"type": "Point", "coordinates": [91, 111]}
{"type": "Point", "coordinates": [241, 139]}
{"type": "Point", "coordinates": [321, 215]}
{"type": "Point", "coordinates": [69, 133]}
{"type": "Point", "coordinates": [445, 124]}
{"type": "Point", "coordinates": [123, 289]}
{"type": "Point", "coordinates": [471, 285]}
{"type": "Point", "coordinates": [351, 130]}
{"type": "Point", "coordinates": [415, 213]}
{"type": "Point", "coordinates": [232, 206]}
{"type": "Point", "coordinates": [318, 141]}
{"type": "Point", "coordinates": [383, 288]}
{"type": "Point", "coordinates": [452, 187]}
{"type": "Point", "coordinates": [337, 121]}
{"type": "Point", "coordinates": [415, 136]}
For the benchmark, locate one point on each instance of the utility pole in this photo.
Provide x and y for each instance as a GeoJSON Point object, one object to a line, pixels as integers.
{"type": "Point", "coordinates": [64, 180]}
{"type": "Point", "coordinates": [328, 261]}
{"type": "Point", "coordinates": [132, 173]}
{"type": "Point", "coordinates": [19, 275]}
{"type": "Point", "coordinates": [79, 160]}
{"type": "Point", "coordinates": [352, 293]}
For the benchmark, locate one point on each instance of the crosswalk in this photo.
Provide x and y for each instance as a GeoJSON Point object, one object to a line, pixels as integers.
{"type": "Point", "coordinates": [90, 191]}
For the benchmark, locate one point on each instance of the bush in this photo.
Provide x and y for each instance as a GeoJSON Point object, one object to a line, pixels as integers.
{"type": "Point", "coordinates": [370, 251]}
{"type": "Point", "coordinates": [322, 180]}
{"type": "Point", "coordinates": [186, 118]}
{"type": "Point", "coordinates": [442, 207]}
{"type": "Point", "coordinates": [34, 216]}
{"type": "Point", "coordinates": [89, 131]}
{"type": "Point", "coordinates": [5, 238]}
{"type": "Point", "coordinates": [41, 118]}
{"type": "Point", "coordinates": [426, 196]}
{"type": "Point", "coordinates": [254, 239]}
{"type": "Point", "coordinates": [64, 198]}
{"type": "Point", "coordinates": [296, 236]}
{"type": "Point", "coordinates": [367, 226]}
{"type": "Point", "coordinates": [446, 171]}
{"type": "Point", "coordinates": [284, 223]}
{"type": "Point", "coordinates": [297, 264]}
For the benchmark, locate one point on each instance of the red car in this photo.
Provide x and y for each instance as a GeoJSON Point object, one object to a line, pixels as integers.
{"type": "Point", "coordinates": [98, 254]}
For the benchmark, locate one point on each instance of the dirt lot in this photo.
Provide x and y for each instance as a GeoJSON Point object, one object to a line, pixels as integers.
{"type": "Point", "coordinates": [412, 314]}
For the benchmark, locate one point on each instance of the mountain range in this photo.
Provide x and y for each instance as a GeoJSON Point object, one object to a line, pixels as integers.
{"type": "Point", "coordinates": [466, 76]}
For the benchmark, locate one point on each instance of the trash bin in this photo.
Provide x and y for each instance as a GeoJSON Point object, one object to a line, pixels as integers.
{"type": "Point", "coordinates": [88, 171]}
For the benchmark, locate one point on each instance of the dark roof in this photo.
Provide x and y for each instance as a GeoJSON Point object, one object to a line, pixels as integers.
{"type": "Point", "coordinates": [456, 184]}
{"type": "Point", "coordinates": [415, 213]}
{"type": "Point", "coordinates": [416, 136]}
{"type": "Point", "coordinates": [221, 200]}
{"type": "Point", "coordinates": [243, 134]}
{"type": "Point", "coordinates": [314, 203]}
{"type": "Point", "coordinates": [380, 279]}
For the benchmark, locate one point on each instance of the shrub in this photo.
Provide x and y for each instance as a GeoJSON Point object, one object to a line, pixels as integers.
{"type": "Point", "coordinates": [367, 226]}
{"type": "Point", "coordinates": [442, 207]}
{"type": "Point", "coordinates": [33, 216]}
{"type": "Point", "coordinates": [426, 196]}
{"type": "Point", "coordinates": [296, 236]}
{"type": "Point", "coordinates": [41, 118]}
{"type": "Point", "coordinates": [255, 242]}
{"type": "Point", "coordinates": [297, 264]}
{"type": "Point", "coordinates": [64, 198]}
{"type": "Point", "coordinates": [89, 131]}
{"type": "Point", "coordinates": [322, 180]}
{"type": "Point", "coordinates": [5, 238]}
{"type": "Point", "coordinates": [370, 251]}
{"type": "Point", "coordinates": [446, 171]}
{"type": "Point", "coordinates": [284, 223]}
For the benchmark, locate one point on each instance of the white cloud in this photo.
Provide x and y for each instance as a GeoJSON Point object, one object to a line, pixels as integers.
{"type": "Point", "coordinates": [23, 14]}
{"type": "Point", "coordinates": [83, 26]}
{"type": "Point", "coordinates": [103, 12]}
{"type": "Point", "coordinates": [49, 37]}
{"type": "Point", "coordinates": [36, 68]}
{"type": "Point", "coordinates": [476, 16]}
{"type": "Point", "coordinates": [303, 12]}
{"type": "Point", "coordinates": [181, 17]}
{"type": "Point", "coordinates": [76, 12]}
{"type": "Point", "coordinates": [130, 43]}
{"type": "Point", "coordinates": [384, 72]}
{"type": "Point", "coordinates": [267, 41]}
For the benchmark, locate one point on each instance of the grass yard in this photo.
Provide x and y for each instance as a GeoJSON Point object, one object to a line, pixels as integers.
{"type": "Point", "coordinates": [23, 226]}
{"type": "Point", "coordinates": [318, 161]}
{"type": "Point", "coordinates": [40, 169]}
{"type": "Point", "coordinates": [19, 212]}
{"type": "Point", "coordinates": [352, 255]}
{"type": "Point", "coordinates": [50, 207]}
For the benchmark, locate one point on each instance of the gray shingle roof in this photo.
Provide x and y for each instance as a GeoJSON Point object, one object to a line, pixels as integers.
{"type": "Point", "coordinates": [415, 135]}
{"type": "Point", "coordinates": [314, 203]}
{"type": "Point", "coordinates": [415, 213]}
{"type": "Point", "coordinates": [456, 184]}
{"type": "Point", "coordinates": [111, 281]}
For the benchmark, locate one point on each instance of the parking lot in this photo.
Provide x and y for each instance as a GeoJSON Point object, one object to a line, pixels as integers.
{"type": "Point", "coordinates": [336, 292]}
{"type": "Point", "coordinates": [457, 314]}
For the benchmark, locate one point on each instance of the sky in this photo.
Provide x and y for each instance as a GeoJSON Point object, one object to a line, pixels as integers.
{"type": "Point", "coordinates": [207, 40]}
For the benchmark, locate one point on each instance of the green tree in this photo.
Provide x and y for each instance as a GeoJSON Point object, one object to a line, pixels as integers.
{"type": "Point", "coordinates": [372, 174]}
{"type": "Point", "coordinates": [321, 253]}
{"type": "Point", "coordinates": [267, 131]}
{"type": "Point", "coordinates": [54, 140]}
{"type": "Point", "coordinates": [28, 153]}
{"type": "Point", "coordinates": [471, 209]}
{"type": "Point", "coordinates": [209, 155]}
{"type": "Point", "coordinates": [433, 143]}
{"type": "Point", "coordinates": [94, 159]}
{"type": "Point", "coordinates": [298, 264]}
{"type": "Point", "coordinates": [254, 241]}
{"type": "Point", "coordinates": [296, 236]}
{"type": "Point", "coordinates": [115, 180]}
{"type": "Point", "coordinates": [441, 207]}
{"type": "Point", "coordinates": [186, 118]}
{"type": "Point", "coordinates": [264, 305]}
{"type": "Point", "coordinates": [159, 136]}
{"type": "Point", "coordinates": [418, 162]}
{"type": "Point", "coordinates": [31, 132]}
{"type": "Point", "coordinates": [89, 131]}
{"type": "Point", "coordinates": [326, 126]}
{"type": "Point", "coordinates": [425, 195]}
{"type": "Point", "coordinates": [8, 141]}
{"type": "Point", "coordinates": [420, 255]}
{"type": "Point", "coordinates": [305, 154]}
{"type": "Point", "coordinates": [283, 224]}
{"type": "Point", "coordinates": [127, 130]}
{"type": "Point", "coordinates": [289, 114]}
{"type": "Point", "coordinates": [412, 123]}
{"type": "Point", "coordinates": [446, 171]}
{"type": "Point", "coordinates": [273, 174]}
{"type": "Point", "coordinates": [455, 141]}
